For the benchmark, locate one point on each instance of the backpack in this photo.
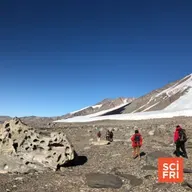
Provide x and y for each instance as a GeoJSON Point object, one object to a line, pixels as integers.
{"type": "Point", "coordinates": [182, 135]}
{"type": "Point", "coordinates": [137, 139]}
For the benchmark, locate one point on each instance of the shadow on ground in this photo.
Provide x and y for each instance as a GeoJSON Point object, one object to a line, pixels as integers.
{"type": "Point", "coordinates": [77, 161]}
{"type": "Point", "coordinates": [142, 154]}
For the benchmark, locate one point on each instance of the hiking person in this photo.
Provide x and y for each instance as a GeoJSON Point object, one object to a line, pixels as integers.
{"type": "Point", "coordinates": [180, 139]}
{"type": "Point", "coordinates": [136, 144]}
{"type": "Point", "coordinates": [109, 135]}
{"type": "Point", "coordinates": [99, 135]}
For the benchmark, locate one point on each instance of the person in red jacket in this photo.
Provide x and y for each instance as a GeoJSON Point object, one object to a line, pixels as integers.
{"type": "Point", "coordinates": [136, 144]}
{"type": "Point", "coordinates": [179, 139]}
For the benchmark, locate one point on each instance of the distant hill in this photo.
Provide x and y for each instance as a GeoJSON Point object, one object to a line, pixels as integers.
{"type": "Point", "coordinates": [174, 99]}
{"type": "Point", "coordinates": [103, 105]}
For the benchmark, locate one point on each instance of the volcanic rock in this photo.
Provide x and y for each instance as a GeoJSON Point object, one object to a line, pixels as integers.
{"type": "Point", "coordinates": [22, 146]}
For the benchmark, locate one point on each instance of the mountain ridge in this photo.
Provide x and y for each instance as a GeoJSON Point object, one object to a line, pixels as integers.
{"type": "Point", "coordinates": [167, 101]}
{"type": "Point", "coordinates": [164, 98]}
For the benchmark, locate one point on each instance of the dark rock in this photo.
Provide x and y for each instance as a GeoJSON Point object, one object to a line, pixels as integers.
{"type": "Point", "coordinates": [187, 170]}
{"type": "Point", "coordinates": [134, 181]}
{"type": "Point", "coordinates": [187, 184]}
{"type": "Point", "coordinates": [99, 180]}
{"type": "Point", "coordinates": [149, 167]}
{"type": "Point", "coordinates": [148, 177]}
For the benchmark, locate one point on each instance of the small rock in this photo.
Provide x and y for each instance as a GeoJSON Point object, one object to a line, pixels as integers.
{"type": "Point", "coordinates": [187, 184]}
{"type": "Point", "coordinates": [161, 186]}
{"type": "Point", "coordinates": [87, 148]}
{"type": "Point", "coordinates": [148, 177]}
{"type": "Point", "coordinates": [187, 170]}
{"type": "Point", "coordinates": [101, 142]}
{"type": "Point", "coordinates": [18, 179]}
{"type": "Point", "coordinates": [151, 133]}
{"type": "Point", "coordinates": [114, 155]}
{"type": "Point", "coordinates": [149, 167]}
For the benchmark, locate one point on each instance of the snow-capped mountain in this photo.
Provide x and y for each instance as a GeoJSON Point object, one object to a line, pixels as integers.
{"type": "Point", "coordinates": [174, 99]}
{"type": "Point", "coordinates": [163, 98]}
{"type": "Point", "coordinates": [106, 104]}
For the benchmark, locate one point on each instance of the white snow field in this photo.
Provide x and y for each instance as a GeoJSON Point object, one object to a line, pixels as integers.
{"type": "Point", "coordinates": [180, 107]}
{"type": "Point", "coordinates": [132, 116]}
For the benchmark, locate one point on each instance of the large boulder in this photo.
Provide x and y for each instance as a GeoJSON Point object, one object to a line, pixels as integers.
{"type": "Point", "coordinates": [29, 148]}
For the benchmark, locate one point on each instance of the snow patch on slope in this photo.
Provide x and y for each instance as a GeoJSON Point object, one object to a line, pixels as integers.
{"type": "Point", "coordinates": [184, 102]}
{"type": "Point", "coordinates": [105, 111]}
{"type": "Point", "coordinates": [97, 106]}
{"type": "Point", "coordinates": [150, 106]}
{"type": "Point", "coordinates": [177, 87]}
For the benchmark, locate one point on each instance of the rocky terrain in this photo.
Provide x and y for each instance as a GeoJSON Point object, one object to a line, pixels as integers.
{"type": "Point", "coordinates": [111, 167]}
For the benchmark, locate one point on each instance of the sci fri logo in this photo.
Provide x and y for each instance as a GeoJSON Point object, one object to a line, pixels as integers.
{"type": "Point", "coordinates": [170, 170]}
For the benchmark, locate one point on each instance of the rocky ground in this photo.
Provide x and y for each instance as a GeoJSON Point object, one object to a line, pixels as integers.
{"type": "Point", "coordinates": [109, 168]}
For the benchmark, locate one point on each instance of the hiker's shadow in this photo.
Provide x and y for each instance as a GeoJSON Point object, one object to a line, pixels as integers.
{"type": "Point", "coordinates": [141, 155]}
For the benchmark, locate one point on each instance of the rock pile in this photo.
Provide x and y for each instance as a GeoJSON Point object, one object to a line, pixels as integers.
{"type": "Point", "coordinates": [26, 149]}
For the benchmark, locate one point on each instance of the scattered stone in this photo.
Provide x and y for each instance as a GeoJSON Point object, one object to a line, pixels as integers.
{"type": "Point", "coordinates": [101, 142]}
{"type": "Point", "coordinates": [87, 148]}
{"type": "Point", "coordinates": [99, 180]}
{"type": "Point", "coordinates": [149, 167]}
{"type": "Point", "coordinates": [18, 179]}
{"type": "Point", "coordinates": [187, 170]}
{"type": "Point", "coordinates": [161, 186]}
{"type": "Point", "coordinates": [152, 132]}
{"type": "Point", "coordinates": [114, 155]}
{"type": "Point", "coordinates": [187, 184]}
{"type": "Point", "coordinates": [90, 140]}
{"type": "Point", "coordinates": [148, 176]}
{"type": "Point", "coordinates": [116, 129]}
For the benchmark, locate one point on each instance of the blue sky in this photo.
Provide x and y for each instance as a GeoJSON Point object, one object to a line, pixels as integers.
{"type": "Point", "coordinates": [60, 56]}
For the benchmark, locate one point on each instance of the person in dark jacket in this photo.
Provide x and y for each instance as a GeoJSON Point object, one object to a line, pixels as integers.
{"type": "Point", "coordinates": [98, 135]}
{"type": "Point", "coordinates": [109, 135]}
{"type": "Point", "coordinates": [137, 141]}
{"type": "Point", "coordinates": [179, 139]}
